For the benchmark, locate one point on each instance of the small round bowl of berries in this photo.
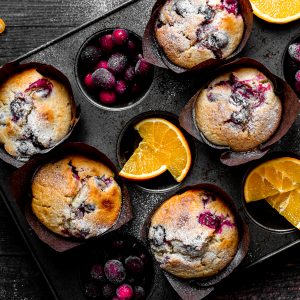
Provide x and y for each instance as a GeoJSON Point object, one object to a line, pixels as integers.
{"type": "Point", "coordinates": [111, 70]}
{"type": "Point", "coordinates": [119, 268]}
{"type": "Point", "coordinates": [291, 65]}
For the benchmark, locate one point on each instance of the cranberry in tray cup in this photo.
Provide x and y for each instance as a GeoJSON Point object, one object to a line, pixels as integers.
{"type": "Point", "coordinates": [119, 268]}
{"type": "Point", "coordinates": [111, 69]}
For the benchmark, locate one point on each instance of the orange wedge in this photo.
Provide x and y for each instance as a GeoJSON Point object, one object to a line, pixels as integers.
{"type": "Point", "coordinates": [2, 26]}
{"type": "Point", "coordinates": [276, 11]}
{"type": "Point", "coordinates": [163, 147]}
{"type": "Point", "coordinates": [288, 205]}
{"type": "Point", "coordinates": [273, 177]}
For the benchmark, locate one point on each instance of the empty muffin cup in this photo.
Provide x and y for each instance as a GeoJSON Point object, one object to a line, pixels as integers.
{"type": "Point", "coordinates": [211, 43]}
{"type": "Point", "coordinates": [80, 218]}
{"type": "Point", "coordinates": [111, 71]}
{"type": "Point", "coordinates": [129, 140]}
{"type": "Point", "coordinates": [216, 214]}
{"type": "Point", "coordinates": [277, 126]}
{"type": "Point", "coordinates": [41, 114]}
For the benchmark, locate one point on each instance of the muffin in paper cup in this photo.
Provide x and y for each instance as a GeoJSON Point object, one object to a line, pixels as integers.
{"type": "Point", "coordinates": [38, 110]}
{"type": "Point", "coordinates": [66, 201]}
{"type": "Point", "coordinates": [224, 31]}
{"type": "Point", "coordinates": [175, 224]}
{"type": "Point", "coordinates": [260, 117]}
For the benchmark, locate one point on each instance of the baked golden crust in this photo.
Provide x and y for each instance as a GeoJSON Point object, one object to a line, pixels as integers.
{"type": "Point", "coordinates": [33, 117]}
{"type": "Point", "coordinates": [76, 196]}
{"type": "Point", "coordinates": [238, 109]}
{"type": "Point", "coordinates": [193, 235]}
{"type": "Point", "coordinates": [193, 31]}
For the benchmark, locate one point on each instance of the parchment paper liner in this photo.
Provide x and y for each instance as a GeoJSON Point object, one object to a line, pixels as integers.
{"type": "Point", "coordinates": [154, 54]}
{"type": "Point", "coordinates": [197, 289]}
{"type": "Point", "coordinates": [21, 189]}
{"type": "Point", "coordinates": [10, 69]}
{"type": "Point", "coordinates": [290, 105]}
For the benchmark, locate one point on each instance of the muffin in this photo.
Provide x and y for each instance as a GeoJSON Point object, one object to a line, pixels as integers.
{"type": "Point", "coordinates": [76, 197]}
{"type": "Point", "coordinates": [238, 109]}
{"type": "Point", "coordinates": [193, 31]}
{"type": "Point", "coordinates": [193, 235]}
{"type": "Point", "coordinates": [35, 113]}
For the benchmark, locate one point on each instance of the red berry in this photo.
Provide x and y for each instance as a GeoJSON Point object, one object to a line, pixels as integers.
{"type": "Point", "coordinates": [297, 87]}
{"type": "Point", "coordinates": [134, 265]}
{"type": "Point", "coordinates": [103, 78]}
{"type": "Point", "coordinates": [124, 292]}
{"type": "Point", "coordinates": [117, 62]}
{"type": "Point", "coordinates": [129, 74]}
{"type": "Point", "coordinates": [101, 64]}
{"type": "Point", "coordinates": [120, 36]}
{"type": "Point", "coordinates": [120, 87]}
{"type": "Point", "coordinates": [88, 80]}
{"type": "Point", "coordinates": [90, 55]}
{"type": "Point", "coordinates": [297, 76]}
{"type": "Point", "coordinates": [142, 67]}
{"type": "Point", "coordinates": [108, 98]}
{"type": "Point", "coordinates": [139, 293]}
{"type": "Point", "coordinates": [294, 52]}
{"type": "Point", "coordinates": [131, 48]}
{"type": "Point", "coordinates": [97, 272]}
{"type": "Point", "coordinates": [106, 43]}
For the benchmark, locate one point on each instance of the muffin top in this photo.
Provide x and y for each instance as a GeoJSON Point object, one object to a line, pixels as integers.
{"type": "Point", "coordinates": [193, 31]}
{"type": "Point", "coordinates": [238, 109]}
{"type": "Point", "coordinates": [76, 196]}
{"type": "Point", "coordinates": [35, 113]}
{"type": "Point", "coordinates": [193, 235]}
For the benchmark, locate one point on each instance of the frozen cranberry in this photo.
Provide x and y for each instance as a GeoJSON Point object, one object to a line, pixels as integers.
{"type": "Point", "coordinates": [121, 87]}
{"type": "Point", "coordinates": [97, 272]}
{"type": "Point", "coordinates": [142, 68]}
{"type": "Point", "coordinates": [103, 78]}
{"type": "Point", "coordinates": [135, 88]}
{"type": "Point", "coordinates": [115, 298]}
{"type": "Point", "coordinates": [134, 265]}
{"type": "Point", "coordinates": [90, 55]}
{"type": "Point", "coordinates": [129, 74]}
{"type": "Point", "coordinates": [294, 52]}
{"type": "Point", "coordinates": [139, 293]}
{"type": "Point", "coordinates": [88, 80]}
{"type": "Point", "coordinates": [101, 64]}
{"type": "Point", "coordinates": [92, 290]}
{"type": "Point", "coordinates": [106, 43]}
{"type": "Point", "coordinates": [297, 76]}
{"type": "Point", "coordinates": [107, 97]}
{"type": "Point", "coordinates": [124, 292]}
{"type": "Point", "coordinates": [114, 271]}
{"type": "Point", "coordinates": [117, 63]}
{"type": "Point", "coordinates": [131, 48]}
{"type": "Point", "coordinates": [120, 36]}
{"type": "Point", "coordinates": [108, 290]}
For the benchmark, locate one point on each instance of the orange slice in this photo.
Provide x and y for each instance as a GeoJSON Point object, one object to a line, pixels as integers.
{"type": "Point", "coordinates": [2, 26]}
{"type": "Point", "coordinates": [288, 205]}
{"type": "Point", "coordinates": [273, 177]}
{"type": "Point", "coordinates": [163, 147]}
{"type": "Point", "coordinates": [276, 11]}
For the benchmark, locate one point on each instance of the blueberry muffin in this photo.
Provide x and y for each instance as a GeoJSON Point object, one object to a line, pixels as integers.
{"type": "Point", "coordinates": [193, 235]}
{"type": "Point", "coordinates": [238, 109]}
{"type": "Point", "coordinates": [76, 197]}
{"type": "Point", "coordinates": [35, 113]}
{"type": "Point", "coordinates": [193, 31]}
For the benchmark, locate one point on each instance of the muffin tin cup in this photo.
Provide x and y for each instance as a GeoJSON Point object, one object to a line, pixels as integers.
{"type": "Point", "coordinates": [290, 109]}
{"type": "Point", "coordinates": [199, 288]}
{"type": "Point", "coordinates": [21, 189]}
{"type": "Point", "coordinates": [10, 69]}
{"type": "Point", "coordinates": [262, 213]}
{"type": "Point", "coordinates": [154, 54]}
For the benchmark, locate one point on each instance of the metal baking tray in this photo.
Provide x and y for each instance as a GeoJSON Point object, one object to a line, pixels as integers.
{"type": "Point", "coordinates": [102, 128]}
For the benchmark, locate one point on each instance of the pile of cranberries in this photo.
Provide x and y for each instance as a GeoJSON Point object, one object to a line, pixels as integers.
{"type": "Point", "coordinates": [113, 68]}
{"type": "Point", "coordinates": [294, 53]}
{"type": "Point", "coordinates": [120, 270]}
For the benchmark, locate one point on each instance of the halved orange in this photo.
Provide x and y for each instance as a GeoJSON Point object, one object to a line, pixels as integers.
{"type": "Point", "coordinates": [276, 11]}
{"type": "Point", "coordinates": [273, 177]}
{"type": "Point", "coordinates": [288, 205]}
{"type": "Point", "coordinates": [163, 147]}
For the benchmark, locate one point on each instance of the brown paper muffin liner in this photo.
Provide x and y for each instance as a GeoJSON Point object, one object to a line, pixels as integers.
{"type": "Point", "coordinates": [290, 105]}
{"type": "Point", "coordinates": [10, 69]}
{"type": "Point", "coordinates": [21, 188]}
{"type": "Point", "coordinates": [154, 54]}
{"type": "Point", "coordinates": [197, 289]}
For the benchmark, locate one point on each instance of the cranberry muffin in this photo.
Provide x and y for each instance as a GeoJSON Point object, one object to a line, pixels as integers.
{"type": "Point", "coordinates": [35, 113]}
{"type": "Point", "coordinates": [76, 197]}
{"type": "Point", "coordinates": [193, 31]}
{"type": "Point", "coordinates": [238, 109]}
{"type": "Point", "coordinates": [193, 235]}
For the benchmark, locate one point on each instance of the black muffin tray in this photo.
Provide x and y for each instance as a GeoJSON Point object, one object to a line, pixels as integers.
{"type": "Point", "coordinates": [167, 95]}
